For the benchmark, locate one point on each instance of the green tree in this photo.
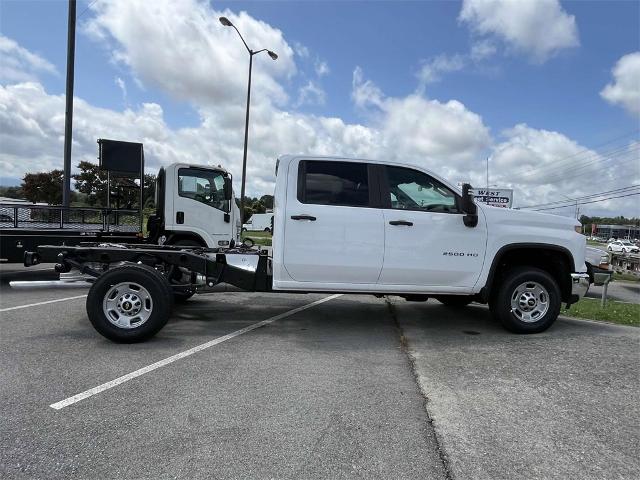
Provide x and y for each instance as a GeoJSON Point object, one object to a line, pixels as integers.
{"type": "Point", "coordinates": [11, 192]}
{"type": "Point", "coordinates": [92, 182]}
{"type": "Point", "coordinates": [267, 201]}
{"type": "Point", "coordinates": [43, 187]}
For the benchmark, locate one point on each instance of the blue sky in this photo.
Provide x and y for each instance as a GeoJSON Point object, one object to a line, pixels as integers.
{"type": "Point", "coordinates": [391, 43]}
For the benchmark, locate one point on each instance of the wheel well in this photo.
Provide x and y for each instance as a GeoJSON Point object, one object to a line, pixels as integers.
{"type": "Point", "coordinates": [556, 262]}
{"type": "Point", "coordinates": [176, 237]}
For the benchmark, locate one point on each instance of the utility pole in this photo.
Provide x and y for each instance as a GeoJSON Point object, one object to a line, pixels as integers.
{"type": "Point", "coordinates": [68, 114]}
{"type": "Point", "coordinates": [488, 172]}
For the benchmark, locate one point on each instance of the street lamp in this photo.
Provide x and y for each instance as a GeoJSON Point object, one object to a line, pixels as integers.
{"type": "Point", "coordinates": [227, 23]}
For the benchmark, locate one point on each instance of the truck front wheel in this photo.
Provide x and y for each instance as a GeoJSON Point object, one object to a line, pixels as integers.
{"type": "Point", "coordinates": [130, 303]}
{"type": "Point", "coordinates": [527, 300]}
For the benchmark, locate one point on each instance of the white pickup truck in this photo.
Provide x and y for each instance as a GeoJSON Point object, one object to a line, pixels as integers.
{"type": "Point", "coordinates": [354, 226]}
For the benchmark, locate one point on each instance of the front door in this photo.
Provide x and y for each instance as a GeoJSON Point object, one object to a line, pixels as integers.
{"type": "Point", "coordinates": [332, 233]}
{"type": "Point", "coordinates": [200, 206]}
{"type": "Point", "coordinates": [426, 241]}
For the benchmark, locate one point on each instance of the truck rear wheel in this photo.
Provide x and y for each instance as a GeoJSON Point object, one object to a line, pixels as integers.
{"type": "Point", "coordinates": [130, 303]}
{"type": "Point", "coordinates": [455, 301]}
{"type": "Point", "coordinates": [527, 300]}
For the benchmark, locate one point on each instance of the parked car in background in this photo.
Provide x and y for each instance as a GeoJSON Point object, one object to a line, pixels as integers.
{"type": "Point", "coordinates": [623, 246]}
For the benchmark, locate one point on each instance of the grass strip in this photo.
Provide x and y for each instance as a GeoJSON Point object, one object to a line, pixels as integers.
{"type": "Point", "coordinates": [614, 312]}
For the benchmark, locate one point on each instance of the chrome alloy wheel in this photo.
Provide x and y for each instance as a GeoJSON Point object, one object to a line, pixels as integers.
{"type": "Point", "coordinates": [530, 302]}
{"type": "Point", "coordinates": [127, 305]}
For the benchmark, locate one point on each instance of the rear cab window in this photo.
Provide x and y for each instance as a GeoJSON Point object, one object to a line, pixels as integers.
{"type": "Point", "coordinates": [333, 183]}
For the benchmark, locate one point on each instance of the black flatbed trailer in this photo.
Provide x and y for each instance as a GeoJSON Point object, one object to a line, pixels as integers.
{"type": "Point", "coordinates": [25, 227]}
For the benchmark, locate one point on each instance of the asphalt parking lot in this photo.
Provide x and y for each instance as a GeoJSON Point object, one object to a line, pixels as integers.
{"type": "Point", "coordinates": [352, 387]}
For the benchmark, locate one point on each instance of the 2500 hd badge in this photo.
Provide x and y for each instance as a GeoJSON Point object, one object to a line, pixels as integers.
{"type": "Point", "coordinates": [460, 254]}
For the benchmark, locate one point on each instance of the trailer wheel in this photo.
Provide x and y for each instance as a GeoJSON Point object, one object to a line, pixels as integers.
{"type": "Point", "coordinates": [130, 303]}
{"type": "Point", "coordinates": [527, 300]}
{"type": "Point", "coordinates": [455, 301]}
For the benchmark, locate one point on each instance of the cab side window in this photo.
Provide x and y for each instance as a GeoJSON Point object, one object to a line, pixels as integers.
{"type": "Point", "coordinates": [203, 186]}
{"type": "Point", "coordinates": [413, 190]}
{"type": "Point", "coordinates": [333, 183]}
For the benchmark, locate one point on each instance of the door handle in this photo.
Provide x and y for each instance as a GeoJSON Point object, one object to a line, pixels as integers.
{"type": "Point", "coordinates": [303, 217]}
{"type": "Point", "coordinates": [401, 222]}
{"type": "Point", "coordinates": [179, 217]}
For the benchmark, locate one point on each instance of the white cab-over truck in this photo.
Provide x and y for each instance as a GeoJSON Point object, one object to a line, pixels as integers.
{"type": "Point", "coordinates": [195, 206]}
{"type": "Point", "coordinates": [353, 226]}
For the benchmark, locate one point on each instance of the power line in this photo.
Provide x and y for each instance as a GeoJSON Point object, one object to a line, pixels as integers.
{"type": "Point", "coordinates": [588, 196]}
{"type": "Point", "coordinates": [86, 8]}
{"type": "Point", "coordinates": [585, 203]}
{"type": "Point", "coordinates": [591, 150]}
{"type": "Point", "coordinates": [591, 159]}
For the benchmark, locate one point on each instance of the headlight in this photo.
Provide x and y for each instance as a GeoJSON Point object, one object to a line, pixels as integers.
{"type": "Point", "coordinates": [578, 228]}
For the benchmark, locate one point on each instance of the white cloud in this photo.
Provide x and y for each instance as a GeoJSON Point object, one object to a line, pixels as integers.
{"type": "Point", "coordinates": [365, 93]}
{"type": "Point", "coordinates": [432, 71]}
{"type": "Point", "coordinates": [311, 94]}
{"type": "Point", "coordinates": [195, 58]}
{"type": "Point", "coordinates": [19, 64]}
{"type": "Point", "coordinates": [539, 28]}
{"type": "Point", "coordinates": [625, 88]}
{"type": "Point", "coordinates": [321, 67]}
{"type": "Point", "coordinates": [543, 165]}
{"type": "Point", "coordinates": [445, 137]}
{"type": "Point", "coordinates": [482, 49]}
{"type": "Point", "coordinates": [300, 50]}
{"type": "Point", "coordinates": [120, 83]}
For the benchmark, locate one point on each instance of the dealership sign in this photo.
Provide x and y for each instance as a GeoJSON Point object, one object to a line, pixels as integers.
{"type": "Point", "coordinates": [496, 197]}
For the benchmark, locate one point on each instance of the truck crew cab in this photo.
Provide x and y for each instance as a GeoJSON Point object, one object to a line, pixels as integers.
{"type": "Point", "coordinates": [356, 226]}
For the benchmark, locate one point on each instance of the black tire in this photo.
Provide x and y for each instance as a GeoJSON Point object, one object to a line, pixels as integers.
{"type": "Point", "coordinates": [267, 230]}
{"type": "Point", "coordinates": [455, 301]}
{"type": "Point", "coordinates": [501, 306]}
{"type": "Point", "coordinates": [151, 280]}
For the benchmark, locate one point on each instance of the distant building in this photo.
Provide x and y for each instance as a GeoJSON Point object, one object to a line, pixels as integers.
{"type": "Point", "coordinates": [617, 231]}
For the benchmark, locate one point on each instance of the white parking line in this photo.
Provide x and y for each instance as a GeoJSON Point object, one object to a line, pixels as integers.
{"type": "Point", "coordinates": [149, 368]}
{"type": "Point", "coordinates": [41, 303]}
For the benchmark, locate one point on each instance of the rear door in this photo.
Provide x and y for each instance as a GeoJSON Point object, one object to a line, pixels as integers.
{"type": "Point", "coordinates": [426, 241]}
{"type": "Point", "coordinates": [334, 233]}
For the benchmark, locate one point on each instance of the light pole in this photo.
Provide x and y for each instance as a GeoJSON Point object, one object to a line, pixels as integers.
{"type": "Point", "coordinates": [227, 23]}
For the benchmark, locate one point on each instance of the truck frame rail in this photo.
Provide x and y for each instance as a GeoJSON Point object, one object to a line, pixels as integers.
{"type": "Point", "coordinates": [186, 269]}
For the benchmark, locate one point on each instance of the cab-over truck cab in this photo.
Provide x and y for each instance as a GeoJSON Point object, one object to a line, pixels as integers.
{"type": "Point", "coordinates": [195, 206]}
